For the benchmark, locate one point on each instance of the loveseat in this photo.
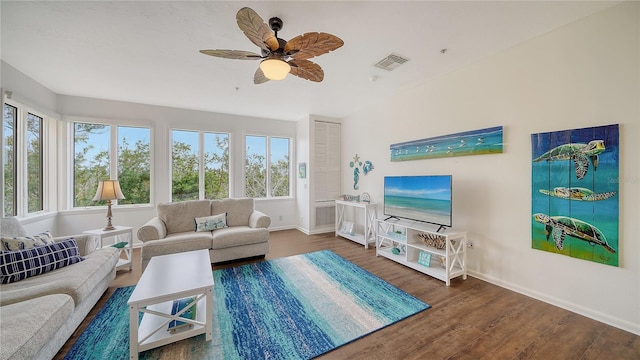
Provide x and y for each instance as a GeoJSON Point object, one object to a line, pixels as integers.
{"type": "Point", "coordinates": [229, 228]}
{"type": "Point", "coordinates": [39, 313]}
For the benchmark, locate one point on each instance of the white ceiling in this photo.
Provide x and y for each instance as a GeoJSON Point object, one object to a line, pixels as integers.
{"type": "Point", "coordinates": [147, 51]}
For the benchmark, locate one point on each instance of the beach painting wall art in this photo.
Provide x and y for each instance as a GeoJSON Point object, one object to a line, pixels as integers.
{"type": "Point", "coordinates": [475, 142]}
{"type": "Point", "coordinates": [575, 193]}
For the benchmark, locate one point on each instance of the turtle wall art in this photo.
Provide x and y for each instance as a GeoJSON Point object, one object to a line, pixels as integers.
{"type": "Point", "coordinates": [574, 196]}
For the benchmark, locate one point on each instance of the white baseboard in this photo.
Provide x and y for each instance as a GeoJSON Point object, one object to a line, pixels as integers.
{"type": "Point", "coordinates": [590, 313]}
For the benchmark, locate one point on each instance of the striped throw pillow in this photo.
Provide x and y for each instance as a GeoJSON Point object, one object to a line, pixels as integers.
{"type": "Point", "coordinates": [19, 265]}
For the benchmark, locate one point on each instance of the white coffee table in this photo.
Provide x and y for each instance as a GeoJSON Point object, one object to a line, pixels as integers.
{"type": "Point", "coordinates": [167, 278]}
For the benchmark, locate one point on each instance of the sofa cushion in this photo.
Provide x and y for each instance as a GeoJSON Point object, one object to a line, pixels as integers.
{"type": "Point", "coordinates": [19, 265]}
{"type": "Point", "coordinates": [238, 210]}
{"type": "Point", "coordinates": [10, 227]}
{"type": "Point", "coordinates": [237, 236]}
{"type": "Point", "coordinates": [29, 325]}
{"type": "Point", "coordinates": [176, 243]}
{"type": "Point", "coordinates": [210, 223]}
{"type": "Point", "coordinates": [25, 242]}
{"type": "Point", "coordinates": [178, 216]}
{"type": "Point", "coordinates": [78, 280]}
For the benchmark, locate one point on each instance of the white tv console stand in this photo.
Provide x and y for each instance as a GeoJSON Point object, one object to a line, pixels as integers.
{"type": "Point", "coordinates": [398, 240]}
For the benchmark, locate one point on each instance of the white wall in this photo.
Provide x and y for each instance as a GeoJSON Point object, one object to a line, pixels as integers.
{"type": "Point", "coordinates": [27, 90]}
{"type": "Point", "coordinates": [584, 74]}
{"type": "Point", "coordinates": [161, 119]}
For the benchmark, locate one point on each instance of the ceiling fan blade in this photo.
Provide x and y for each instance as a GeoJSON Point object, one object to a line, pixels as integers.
{"type": "Point", "coordinates": [312, 44]}
{"type": "Point", "coordinates": [232, 54]}
{"type": "Point", "coordinates": [256, 29]}
{"type": "Point", "coordinates": [259, 78]}
{"type": "Point", "coordinates": [307, 70]}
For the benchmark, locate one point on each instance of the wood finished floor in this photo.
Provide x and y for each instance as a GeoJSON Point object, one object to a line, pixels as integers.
{"type": "Point", "coordinates": [471, 319]}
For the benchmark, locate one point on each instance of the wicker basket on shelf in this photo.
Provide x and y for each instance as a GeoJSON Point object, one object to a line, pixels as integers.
{"type": "Point", "coordinates": [433, 240]}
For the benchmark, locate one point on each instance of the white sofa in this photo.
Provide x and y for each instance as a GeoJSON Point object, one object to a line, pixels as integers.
{"type": "Point", "coordinates": [38, 314]}
{"type": "Point", "coordinates": [173, 230]}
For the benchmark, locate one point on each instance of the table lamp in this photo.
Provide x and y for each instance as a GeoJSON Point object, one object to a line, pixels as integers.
{"type": "Point", "coordinates": [108, 190]}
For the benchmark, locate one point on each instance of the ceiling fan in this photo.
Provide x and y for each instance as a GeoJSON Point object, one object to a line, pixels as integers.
{"type": "Point", "coordinates": [279, 57]}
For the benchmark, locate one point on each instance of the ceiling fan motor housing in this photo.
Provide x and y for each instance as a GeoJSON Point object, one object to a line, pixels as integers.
{"type": "Point", "coordinates": [275, 23]}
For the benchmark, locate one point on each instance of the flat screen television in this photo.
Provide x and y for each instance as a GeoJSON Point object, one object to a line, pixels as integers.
{"type": "Point", "coordinates": [425, 198]}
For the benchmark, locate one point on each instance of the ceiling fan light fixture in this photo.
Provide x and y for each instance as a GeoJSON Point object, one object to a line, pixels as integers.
{"type": "Point", "coordinates": [275, 69]}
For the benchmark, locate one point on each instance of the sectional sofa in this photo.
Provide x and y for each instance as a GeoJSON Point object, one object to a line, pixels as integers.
{"type": "Point", "coordinates": [39, 313]}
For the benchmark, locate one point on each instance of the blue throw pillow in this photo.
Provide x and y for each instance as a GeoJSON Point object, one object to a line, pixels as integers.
{"type": "Point", "coordinates": [19, 265]}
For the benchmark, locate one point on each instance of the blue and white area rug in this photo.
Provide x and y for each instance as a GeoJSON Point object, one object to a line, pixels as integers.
{"type": "Point", "coordinates": [297, 307]}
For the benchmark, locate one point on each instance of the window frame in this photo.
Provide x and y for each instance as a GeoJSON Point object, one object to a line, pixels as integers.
{"type": "Point", "coordinates": [201, 160]}
{"type": "Point", "coordinates": [113, 158]}
{"type": "Point", "coordinates": [21, 166]}
{"type": "Point", "coordinates": [268, 138]}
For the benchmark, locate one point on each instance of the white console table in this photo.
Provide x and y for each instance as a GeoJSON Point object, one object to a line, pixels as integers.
{"type": "Point", "coordinates": [356, 221]}
{"type": "Point", "coordinates": [120, 234]}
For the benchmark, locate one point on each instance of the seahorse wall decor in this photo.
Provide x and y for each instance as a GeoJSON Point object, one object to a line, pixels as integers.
{"type": "Point", "coordinates": [367, 167]}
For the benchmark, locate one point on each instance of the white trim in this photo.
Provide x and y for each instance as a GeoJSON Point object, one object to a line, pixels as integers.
{"type": "Point", "coordinates": [292, 173]}
{"type": "Point", "coordinates": [114, 126]}
{"type": "Point", "coordinates": [110, 121]}
{"type": "Point", "coordinates": [21, 150]}
{"type": "Point", "coordinates": [201, 159]}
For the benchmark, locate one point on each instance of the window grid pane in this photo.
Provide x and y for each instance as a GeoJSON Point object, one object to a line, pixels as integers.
{"type": "Point", "coordinates": [184, 166]}
{"type": "Point", "coordinates": [279, 160]}
{"type": "Point", "coordinates": [216, 163]}
{"type": "Point", "coordinates": [134, 164]}
{"type": "Point", "coordinates": [9, 159]}
{"type": "Point", "coordinates": [34, 163]}
{"type": "Point", "coordinates": [256, 166]}
{"type": "Point", "coordinates": [91, 161]}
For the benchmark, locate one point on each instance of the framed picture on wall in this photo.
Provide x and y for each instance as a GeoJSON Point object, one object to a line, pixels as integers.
{"type": "Point", "coordinates": [302, 170]}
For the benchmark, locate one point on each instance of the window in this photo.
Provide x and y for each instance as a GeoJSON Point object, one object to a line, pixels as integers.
{"type": "Point", "coordinates": [34, 163]}
{"type": "Point", "coordinates": [262, 153]}
{"type": "Point", "coordinates": [185, 166]}
{"type": "Point", "coordinates": [22, 160]}
{"type": "Point", "coordinates": [94, 145]}
{"type": "Point", "coordinates": [199, 165]}
{"type": "Point", "coordinates": [216, 166]}
{"type": "Point", "coordinates": [134, 164]}
{"type": "Point", "coordinates": [9, 135]}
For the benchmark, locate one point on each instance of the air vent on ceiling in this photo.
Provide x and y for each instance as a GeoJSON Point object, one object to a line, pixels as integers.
{"type": "Point", "coordinates": [391, 62]}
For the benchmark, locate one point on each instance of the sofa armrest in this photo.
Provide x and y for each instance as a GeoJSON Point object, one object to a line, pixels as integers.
{"type": "Point", "coordinates": [154, 229]}
{"type": "Point", "coordinates": [258, 219]}
{"type": "Point", "coordinates": [86, 243]}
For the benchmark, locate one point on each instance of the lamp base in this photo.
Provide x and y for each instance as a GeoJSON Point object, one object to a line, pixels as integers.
{"type": "Point", "coordinates": [109, 226]}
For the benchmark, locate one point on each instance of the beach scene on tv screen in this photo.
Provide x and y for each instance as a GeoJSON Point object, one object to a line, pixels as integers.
{"type": "Point", "coordinates": [419, 198]}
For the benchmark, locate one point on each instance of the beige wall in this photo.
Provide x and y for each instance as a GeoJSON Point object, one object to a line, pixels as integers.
{"type": "Point", "coordinates": [584, 74]}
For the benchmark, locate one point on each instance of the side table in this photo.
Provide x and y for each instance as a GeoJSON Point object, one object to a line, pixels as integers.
{"type": "Point", "coordinates": [120, 234]}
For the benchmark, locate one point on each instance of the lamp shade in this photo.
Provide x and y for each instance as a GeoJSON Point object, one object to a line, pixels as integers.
{"type": "Point", "coordinates": [275, 69]}
{"type": "Point", "coordinates": [108, 190]}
